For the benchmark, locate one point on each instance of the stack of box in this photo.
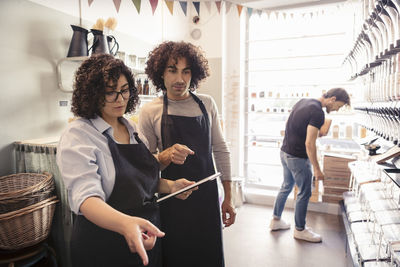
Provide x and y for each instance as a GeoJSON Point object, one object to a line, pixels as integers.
{"type": "Point", "coordinates": [337, 176]}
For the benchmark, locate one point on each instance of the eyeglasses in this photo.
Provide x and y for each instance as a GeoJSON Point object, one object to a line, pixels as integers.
{"type": "Point", "coordinates": [112, 96]}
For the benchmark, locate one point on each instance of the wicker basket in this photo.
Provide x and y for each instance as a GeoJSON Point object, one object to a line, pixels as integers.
{"type": "Point", "coordinates": [27, 226]}
{"type": "Point", "coordinates": [24, 189]}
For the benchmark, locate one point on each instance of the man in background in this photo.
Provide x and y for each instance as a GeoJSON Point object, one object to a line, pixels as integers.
{"type": "Point", "coordinates": [299, 153]}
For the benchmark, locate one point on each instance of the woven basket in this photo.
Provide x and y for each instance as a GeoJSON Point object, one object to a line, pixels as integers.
{"type": "Point", "coordinates": [27, 226]}
{"type": "Point", "coordinates": [24, 189]}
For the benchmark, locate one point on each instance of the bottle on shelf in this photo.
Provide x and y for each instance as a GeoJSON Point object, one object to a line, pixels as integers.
{"type": "Point", "coordinates": [335, 132]}
{"type": "Point", "coordinates": [146, 88]}
{"type": "Point", "coordinates": [139, 86]}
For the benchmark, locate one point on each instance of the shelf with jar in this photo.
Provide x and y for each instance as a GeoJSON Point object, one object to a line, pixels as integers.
{"type": "Point", "coordinates": [279, 93]}
{"type": "Point", "coordinates": [277, 106]}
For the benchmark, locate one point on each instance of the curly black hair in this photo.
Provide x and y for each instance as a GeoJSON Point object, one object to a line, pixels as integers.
{"type": "Point", "coordinates": [158, 60]}
{"type": "Point", "coordinates": [90, 83]}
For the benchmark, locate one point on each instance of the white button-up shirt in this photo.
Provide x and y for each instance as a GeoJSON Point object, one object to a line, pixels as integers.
{"type": "Point", "coordinates": [85, 161]}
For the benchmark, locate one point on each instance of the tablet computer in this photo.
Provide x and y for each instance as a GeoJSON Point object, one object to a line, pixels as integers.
{"type": "Point", "coordinates": [180, 191]}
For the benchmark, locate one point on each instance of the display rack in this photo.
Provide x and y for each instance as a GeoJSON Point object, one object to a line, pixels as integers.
{"type": "Point", "coordinates": [371, 214]}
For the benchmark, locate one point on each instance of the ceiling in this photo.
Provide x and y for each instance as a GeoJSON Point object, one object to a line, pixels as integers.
{"type": "Point", "coordinates": [283, 4]}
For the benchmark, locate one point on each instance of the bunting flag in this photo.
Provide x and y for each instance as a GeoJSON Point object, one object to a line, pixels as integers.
{"type": "Point", "coordinates": [184, 7]}
{"type": "Point", "coordinates": [227, 7]}
{"type": "Point", "coordinates": [117, 4]}
{"type": "Point", "coordinates": [239, 9]}
{"type": "Point", "coordinates": [218, 4]}
{"type": "Point", "coordinates": [153, 4]}
{"type": "Point", "coordinates": [170, 5]}
{"type": "Point", "coordinates": [249, 11]}
{"type": "Point", "coordinates": [284, 15]}
{"type": "Point", "coordinates": [197, 7]}
{"type": "Point", "coordinates": [208, 6]}
{"type": "Point", "coordinates": [196, 4]}
{"type": "Point", "coordinates": [137, 5]}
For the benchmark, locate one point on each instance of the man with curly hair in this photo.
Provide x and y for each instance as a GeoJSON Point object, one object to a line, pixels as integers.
{"type": "Point", "coordinates": [183, 127]}
{"type": "Point", "coordinates": [110, 175]}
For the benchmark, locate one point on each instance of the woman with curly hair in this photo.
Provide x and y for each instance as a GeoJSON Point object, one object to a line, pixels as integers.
{"type": "Point", "coordinates": [110, 175]}
{"type": "Point", "coordinates": [184, 128]}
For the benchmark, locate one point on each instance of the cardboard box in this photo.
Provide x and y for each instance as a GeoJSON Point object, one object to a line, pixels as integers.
{"type": "Point", "coordinates": [343, 182]}
{"type": "Point", "coordinates": [337, 174]}
{"type": "Point", "coordinates": [335, 190]}
{"type": "Point", "coordinates": [331, 198]}
{"type": "Point", "coordinates": [336, 170]}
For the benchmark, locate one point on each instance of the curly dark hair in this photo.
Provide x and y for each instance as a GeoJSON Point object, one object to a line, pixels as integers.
{"type": "Point", "coordinates": [158, 60]}
{"type": "Point", "coordinates": [90, 83]}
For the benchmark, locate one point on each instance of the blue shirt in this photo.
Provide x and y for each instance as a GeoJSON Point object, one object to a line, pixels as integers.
{"type": "Point", "coordinates": [85, 161]}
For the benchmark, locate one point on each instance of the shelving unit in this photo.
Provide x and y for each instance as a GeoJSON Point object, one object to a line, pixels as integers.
{"type": "Point", "coordinates": [371, 215]}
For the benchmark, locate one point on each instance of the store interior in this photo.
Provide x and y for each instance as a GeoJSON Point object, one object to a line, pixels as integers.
{"type": "Point", "coordinates": [264, 56]}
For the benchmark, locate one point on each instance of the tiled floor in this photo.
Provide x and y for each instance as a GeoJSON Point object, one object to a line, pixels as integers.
{"type": "Point", "coordinates": [250, 243]}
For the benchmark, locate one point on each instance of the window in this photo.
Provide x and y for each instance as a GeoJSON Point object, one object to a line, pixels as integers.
{"type": "Point", "coordinates": [292, 54]}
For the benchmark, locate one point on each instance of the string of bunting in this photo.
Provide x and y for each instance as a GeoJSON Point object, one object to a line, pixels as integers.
{"type": "Point", "coordinates": [208, 4]}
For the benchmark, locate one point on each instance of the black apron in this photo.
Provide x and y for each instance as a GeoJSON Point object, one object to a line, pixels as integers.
{"type": "Point", "coordinates": [193, 226]}
{"type": "Point", "coordinates": [136, 182]}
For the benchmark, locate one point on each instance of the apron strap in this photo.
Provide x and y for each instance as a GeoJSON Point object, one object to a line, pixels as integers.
{"type": "Point", "coordinates": [202, 107]}
{"type": "Point", "coordinates": [166, 123]}
{"type": "Point", "coordinates": [137, 138]}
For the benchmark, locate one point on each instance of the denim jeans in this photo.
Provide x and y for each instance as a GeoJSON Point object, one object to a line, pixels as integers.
{"type": "Point", "coordinates": [295, 170]}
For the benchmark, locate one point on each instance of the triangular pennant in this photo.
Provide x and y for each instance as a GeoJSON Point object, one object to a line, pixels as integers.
{"type": "Point", "coordinates": [239, 9]}
{"type": "Point", "coordinates": [197, 7]}
{"type": "Point", "coordinates": [218, 4]}
{"type": "Point", "coordinates": [170, 5]}
{"type": "Point", "coordinates": [153, 4]}
{"type": "Point", "coordinates": [184, 7]}
{"type": "Point", "coordinates": [90, 2]}
{"type": "Point", "coordinates": [227, 7]}
{"type": "Point", "coordinates": [259, 12]}
{"type": "Point", "coordinates": [284, 15]}
{"type": "Point", "coordinates": [117, 4]}
{"type": "Point", "coordinates": [137, 5]}
{"type": "Point", "coordinates": [268, 13]}
{"type": "Point", "coordinates": [208, 6]}
{"type": "Point", "coordinates": [249, 11]}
